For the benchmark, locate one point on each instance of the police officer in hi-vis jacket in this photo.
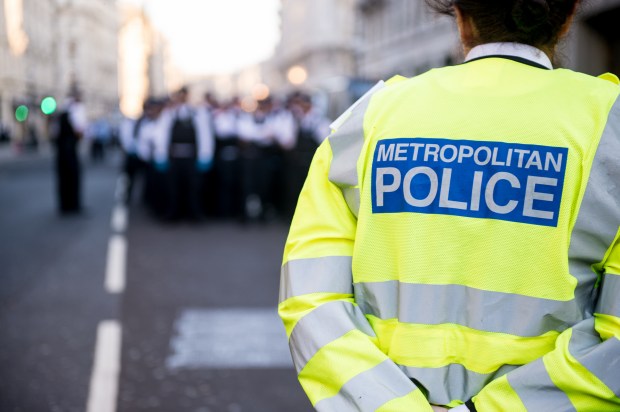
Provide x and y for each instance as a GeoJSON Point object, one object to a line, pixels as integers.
{"type": "Point", "coordinates": [456, 243]}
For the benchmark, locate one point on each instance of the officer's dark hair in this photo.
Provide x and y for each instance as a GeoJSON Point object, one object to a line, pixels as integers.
{"type": "Point", "coordinates": [538, 23]}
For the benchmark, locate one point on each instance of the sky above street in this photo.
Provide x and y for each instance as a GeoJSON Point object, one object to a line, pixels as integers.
{"type": "Point", "coordinates": [216, 36]}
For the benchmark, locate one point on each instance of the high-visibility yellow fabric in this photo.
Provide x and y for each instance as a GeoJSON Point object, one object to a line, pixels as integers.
{"type": "Point", "coordinates": [489, 100]}
{"type": "Point", "coordinates": [292, 310]}
{"type": "Point", "coordinates": [433, 346]}
{"type": "Point", "coordinates": [404, 403]}
{"type": "Point", "coordinates": [387, 250]}
{"type": "Point", "coordinates": [349, 354]}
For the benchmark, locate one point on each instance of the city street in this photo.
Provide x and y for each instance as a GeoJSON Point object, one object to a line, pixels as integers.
{"type": "Point", "coordinates": [187, 311]}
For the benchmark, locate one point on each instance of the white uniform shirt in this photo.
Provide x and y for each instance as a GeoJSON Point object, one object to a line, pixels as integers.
{"type": "Point", "coordinates": [285, 128]}
{"type": "Point", "coordinates": [77, 116]}
{"type": "Point", "coordinates": [226, 123]}
{"type": "Point", "coordinates": [252, 130]}
{"type": "Point", "coordinates": [202, 125]}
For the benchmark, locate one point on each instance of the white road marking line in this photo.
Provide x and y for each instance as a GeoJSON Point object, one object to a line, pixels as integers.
{"type": "Point", "coordinates": [119, 218]}
{"type": "Point", "coordinates": [121, 187]}
{"type": "Point", "coordinates": [103, 390]}
{"type": "Point", "coordinates": [235, 338]}
{"type": "Point", "coordinates": [115, 268]}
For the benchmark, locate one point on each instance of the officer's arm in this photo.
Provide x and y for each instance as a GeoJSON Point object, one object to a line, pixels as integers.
{"type": "Point", "coordinates": [582, 373]}
{"type": "Point", "coordinates": [332, 344]}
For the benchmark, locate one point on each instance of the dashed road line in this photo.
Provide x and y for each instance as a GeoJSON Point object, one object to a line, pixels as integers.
{"type": "Point", "coordinates": [103, 391]}
{"type": "Point", "coordinates": [115, 268]}
{"type": "Point", "coordinates": [104, 379]}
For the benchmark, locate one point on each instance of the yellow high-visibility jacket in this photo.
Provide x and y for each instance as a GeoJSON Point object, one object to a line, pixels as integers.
{"type": "Point", "coordinates": [456, 239]}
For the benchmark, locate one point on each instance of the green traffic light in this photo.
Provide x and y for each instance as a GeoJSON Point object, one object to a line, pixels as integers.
{"type": "Point", "coordinates": [21, 113]}
{"type": "Point", "coordinates": [48, 105]}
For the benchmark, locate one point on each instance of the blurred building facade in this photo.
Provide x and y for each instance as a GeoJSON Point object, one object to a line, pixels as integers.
{"type": "Point", "coordinates": [88, 50]}
{"type": "Point", "coordinates": [404, 37]}
{"type": "Point", "coordinates": [593, 46]}
{"type": "Point", "coordinates": [143, 61]}
{"type": "Point", "coordinates": [49, 48]}
{"type": "Point", "coordinates": [317, 51]}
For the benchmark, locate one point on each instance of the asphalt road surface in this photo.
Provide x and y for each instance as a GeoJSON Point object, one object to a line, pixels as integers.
{"type": "Point", "coordinates": [112, 311]}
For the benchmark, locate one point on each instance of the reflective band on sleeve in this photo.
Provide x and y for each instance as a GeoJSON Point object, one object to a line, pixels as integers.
{"type": "Point", "coordinates": [322, 326]}
{"type": "Point", "coordinates": [609, 301]}
{"type": "Point", "coordinates": [346, 144]}
{"type": "Point", "coordinates": [602, 359]}
{"type": "Point", "coordinates": [599, 213]}
{"type": "Point", "coordinates": [331, 274]}
{"type": "Point", "coordinates": [474, 308]}
{"type": "Point", "coordinates": [453, 381]}
{"type": "Point", "coordinates": [369, 390]}
{"type": "Point", "coordinates": [536, 389]}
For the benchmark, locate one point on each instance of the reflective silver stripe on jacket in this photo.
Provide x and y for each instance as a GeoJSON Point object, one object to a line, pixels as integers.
{"type": "Point", "coordinates": [599, 215]}
{"type": "Point", "coordinates": [369, 390]}
{"type": "Point", "coordinates": [346, 144]}
{"type": "Point", "coordinates": [474, 308]}
{"type": "Point", "coordinates": [602, 359]}
{"type": "Point", "coordinates": [594, 231]}
{"type": "Point", "coordinates": [453, 381]}
{"type": "Point", "coordinates": [536, 389]}
{"type": "Point", "coordinates": [609, 300]}
{"type": "Point", "coordinates": [322, 326]}
{"type": "Point", "coordinates": [331, 274]}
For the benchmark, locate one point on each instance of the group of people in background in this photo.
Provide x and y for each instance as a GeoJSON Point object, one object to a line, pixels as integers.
{"type": "Point", "coordinates": [216, 159]}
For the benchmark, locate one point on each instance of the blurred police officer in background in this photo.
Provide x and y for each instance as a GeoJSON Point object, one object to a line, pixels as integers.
{"type": "Point", "coordinates": [312, 127]}
{"type": "Point", "coordinates": [137, 137]}
{"type": "Point", "coordinates": [184, 151]}
{"type": "Point", "coordinates": [68, 128]}
{"type": "Point", "coordinates": [227, 158]}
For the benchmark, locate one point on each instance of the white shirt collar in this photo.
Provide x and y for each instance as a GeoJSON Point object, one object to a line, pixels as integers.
{"type": "Point", "coordinates": [510, 49]}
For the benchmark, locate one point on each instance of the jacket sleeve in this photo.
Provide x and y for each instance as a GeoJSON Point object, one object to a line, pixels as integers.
{"type": "Point", "coordinates": [333, 346]}
{"type": "Point", "coordinates": [582, 373]}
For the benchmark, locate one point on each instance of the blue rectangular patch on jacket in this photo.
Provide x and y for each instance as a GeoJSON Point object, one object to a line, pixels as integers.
{"type": "Point", "coordinates": [489, 180]}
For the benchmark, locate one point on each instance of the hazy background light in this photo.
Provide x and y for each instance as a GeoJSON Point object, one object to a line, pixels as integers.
{"type": "Point", "coordinates": [260, 92]}
{"type": "Point", "coordinates": [297, 75]}
{"type": "Point", "coordinates": [248, 104]}
{"type": "Point", "coordinates": [215, 36]}
{"type": "Point", "coordinates": [21, 113]}
{"type": "Point", "coordinates": [14, 23]}
{"type": "Point", "coordinates": [48, 105]}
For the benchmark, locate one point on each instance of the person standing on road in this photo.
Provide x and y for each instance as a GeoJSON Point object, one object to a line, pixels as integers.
{"type": "Point", "coordinates": [184, 150]}
{"type": "Point", "coordinates": [312, 128]}
{"type": "Point", "coordinates": [456, 243]}
{"type": "Point", "coordinates": [137, 137]}
{"type": "Point", "coordinates": [68, 130]}
{"type": "Point", "coordinates": [227, 159]}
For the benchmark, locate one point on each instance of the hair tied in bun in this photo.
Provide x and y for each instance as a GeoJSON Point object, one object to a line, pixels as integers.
{"type": "Point", "coordinates": [529, 15]}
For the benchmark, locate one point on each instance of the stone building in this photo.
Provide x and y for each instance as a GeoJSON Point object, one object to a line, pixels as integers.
{"type": "Point", "coordinates": [404, 37]}
{"type": "Point", "coordinates": [317, 51]}
{"type": "Point", "coordinates": [144, 62]}
{"type": "Point", "coordinates": [27, 50]}
{"type": "Point", "coordinates": [88, 52]}
{"type": "Point", "coordinates": [48, 48]}
{"type": "Point", "coordinates": [594, 44]}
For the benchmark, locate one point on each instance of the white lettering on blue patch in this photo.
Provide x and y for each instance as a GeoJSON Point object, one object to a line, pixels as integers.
{"type": "Point", "coordinates": [491, 180]}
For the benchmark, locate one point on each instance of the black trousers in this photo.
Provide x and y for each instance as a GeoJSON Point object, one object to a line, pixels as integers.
{"type": "Point", "coordinates": [68, 181]}
{"type": "Point", "coordinates": [133, 168]}
{"type": "Point", "coordinates": [184, 189]}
